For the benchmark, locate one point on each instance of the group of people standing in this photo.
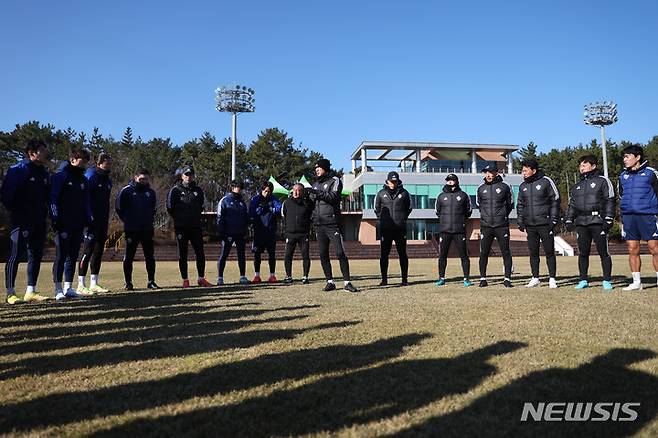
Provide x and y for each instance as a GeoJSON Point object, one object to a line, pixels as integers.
{"type": "Point", "coordinates": [77, 199]}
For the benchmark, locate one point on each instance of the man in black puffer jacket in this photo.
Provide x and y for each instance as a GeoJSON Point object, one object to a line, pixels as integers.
{"type": "Point", "coordinates": [453, 208]}
{"type": "Point", "coordinates": [185, 205]}
{"type": "Point", "coordinates": [296, 212]}
{"type": "Point", "coordinates": [494, 199]}
{"type": "Point", "coordinates": [393, 207]}
{"type": "Point", "coordinates": [538, 211]}
{"type": "Point", "coordinates": [326, 217]}
{"type": "Point", "coordinates": [591, 213]}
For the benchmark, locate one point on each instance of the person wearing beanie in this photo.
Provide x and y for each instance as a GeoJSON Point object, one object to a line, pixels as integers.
{"type": "Point", "coordinates": [393, 207]}
{"type": "Point", "coordinates": [538, 212]}
{"type": "Point", "coordinates": [264, 209]}
{"type": "Point", "coordinates": [326, 193]}
{"type": "Point", "coordinates": [185, 205]}
{"type": "Point", "coordinates": [232, 225]}
{"type": "Point", "coordinates": [494, 199]}
{"type": "Point", "coordinates": [95, 235]}
{"type": "Point", "coordinates": [453, 208]}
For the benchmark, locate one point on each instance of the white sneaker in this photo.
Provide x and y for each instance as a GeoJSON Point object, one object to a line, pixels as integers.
{"type": "Point", "coordinates": [552, 283]}
{"type": "Point", "coordinates": [534, 282]}
{"type": "Point", "coordinates": [59, 295]}
{"type": "Point", "coordinates": [633, 286]}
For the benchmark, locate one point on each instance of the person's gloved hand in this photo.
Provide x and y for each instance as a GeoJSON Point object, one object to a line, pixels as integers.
{"type": "Point", "coordinates": [570, 225]}
{"type": "Point", "coordinates": [607, 223]}
{"type": "Point", "coordinates": [521, 227]}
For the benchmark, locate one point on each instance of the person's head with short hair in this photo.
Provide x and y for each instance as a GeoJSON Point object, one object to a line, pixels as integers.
{"type": "Point", "coordinates": [297, 190]}
{"type": "Point", "coordinates": [452, 179]}
{"type": "Point", "coordinates": [236, 186]}
{"type": "Point", "coordinates": [37, 151]}
{"type": "Point", "coordinates": [79, 157]}
{"type": "Point", "coordinates": [104, 162]}
{"type": "Point", "coordinates": [187, 175]}
{"type": "Point", "coordinates": [490, 172]}
{"type": "Point", "coordinates": [529, 167]}
{"type": "Point", "coordinates": [633, 156]}
{"type": "Point", "coordinates": [266, 189]}
{"type": "Point", "coordinates": [322, 167]}
{"type": "Point", "coordinates": [142, 176]}
{"type": "Point", "coordinates": [587, 163]}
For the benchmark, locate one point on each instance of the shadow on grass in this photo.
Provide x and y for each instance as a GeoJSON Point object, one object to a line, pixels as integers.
{"type": "Point", "coordinates": [333, 403]}
{"type": "Point", "coordinates": [223, 378]}
{"type": "Point", "coordinates": [606, 378]}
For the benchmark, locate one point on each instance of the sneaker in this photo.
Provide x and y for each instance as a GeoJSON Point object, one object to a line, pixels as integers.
{"type": "Point", "coordinates": [13, 299]}
{"type": "Point", "coordinates": [348, 287]}
{"type": "Point", "coordinates": [468, 283]}
{"type": "Point", "coordinates": [186, 284]}
{"type": "Point", "coordinates": [329, 287]}
{"type": "Point", "coordinates": [70, 293]}
{"type": "Point", "coordinates": [552, 283]}
{"type": "Point", "coordinates": [633, 286]}
{"type": "Point", "coordinates": [440, 282]}
{"type": "Point", "coordinates": [59, 296]}
{"type": "Point", "coordinates": [507, 284]}
{"type": "Point", "coordinates": [287, 281]}
{"type": "Point", "coordinates": [404, 283]}
{"type": "Point", "coordinates": [583, 284]}
{"type": "Point", "coordinates": [220, 281]}
{"type": "Point", "coordinates": [34, 296]}
{"type": "Point", "coordinates": [483, 283]}
{"type": "Point", "coordinates": [305, 280]}
{"type": "Point", "coordinates": [384, 282]}
{"type": "Point", "coordinates": [534, 282]}
{"type": "Point", "coordinates": [204, 283]}
{"type": "Point", "coordinates": [272, 279]}
{"type": "Point", "coordinates": [98, 289]}
{"type": "Point", "coordinates": [84, 291]}
{"type": "Point", "coordinates": [244, 280]}
{"type": "Point", "coordinates": [256, 280]}
{"type": "Point", "coordinates": [129, 286]}
{"type": "Point", "coordinates": [152, 285]}
{"type": "Point", "coordinates": [607, 285]}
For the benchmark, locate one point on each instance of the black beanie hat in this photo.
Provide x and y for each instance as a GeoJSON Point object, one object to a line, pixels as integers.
{"type": "Point", "coordinates": [323, 163]}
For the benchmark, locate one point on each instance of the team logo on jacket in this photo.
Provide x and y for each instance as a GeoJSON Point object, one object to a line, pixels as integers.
{"type": "Point", "coordinates": [538, 187]}
{"type": "Point", "coordinates": [445, 199]}
{"type": "Point", "coordinates": [525, 189]}
{"type": "Point", "coordinates": [577, 187]}
{"type": "Point", "coordinates": [385, 195]}
{"type": "Point", "coordinates": [326, 185]}
{"type": "Point", "coordinates": [626, 176]}
{"type": "Point", "coordinates": [69, 183]}
{"type": "Point", "coordinates": [180, 236]}
{"type": "Point", "coordinates": [459, 198]}
{"type": "Point", "coordinates": [148, 194]}
{"type": "Point", "coordinates": [484, 191]}
{"type": "Point", "coordinates": [498, 190]}
{"type": "Point", "coordinates": [400, 195]}
{"type": "Point", "coordinates": [592, 185]}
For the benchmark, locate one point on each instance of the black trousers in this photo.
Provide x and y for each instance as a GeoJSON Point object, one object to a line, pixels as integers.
{"type": "Point", "coordinates": [260, 245]}
{"type": "Point", "coordinates": [545, 234]}
{"type": "Point", "coordinates": [399, 236]}
{"type": "Point", "coordinates": [487, 236]}
{"type": "Point", "coordinates": [331, 234]}
{"type": "Point", "coordinates": [585, 236]}
{"type": "Point", "coordinates": [134, 239]}
{"type": "Point", "coordinates": [227, 243]}
{"type": "Point", "coordinates": [92, 251]}
{"type": "Point", "coordinates": [445, 239]}
{"type": "Point", "coordinates": [67, 249]}
{"type": "Point", "coordinates": [292, 241]}
{"type": "Point", "coordinates": [195, 237]}
{"type": "Point", "coordinates": [24, 240]}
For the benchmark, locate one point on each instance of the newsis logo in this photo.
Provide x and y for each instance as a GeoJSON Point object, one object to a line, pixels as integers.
{"type": "Point", "coordinates": [579, 411]}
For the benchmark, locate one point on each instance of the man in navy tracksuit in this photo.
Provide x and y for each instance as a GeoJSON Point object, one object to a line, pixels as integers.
{"type": "Point", "coordinates": [135, 205]}
{"type": "Point", "coordinates": [638, 190]}
{"type": "Point", "coordinates": [25, 192]}
{"type": "Point", "coordinates": [70, 212]}
{"type": "Point", "coordinates": [95, 235]}
{"type": "Point", "coordinates": [263, 211]}
{"type": "Point", "coordinates": [232, 223]}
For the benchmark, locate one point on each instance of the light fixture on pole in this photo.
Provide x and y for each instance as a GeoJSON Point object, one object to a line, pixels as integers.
{"type": "Point", "coordinates": [601, 114]}
{"type": "Point", "coordinates": [234, 100]}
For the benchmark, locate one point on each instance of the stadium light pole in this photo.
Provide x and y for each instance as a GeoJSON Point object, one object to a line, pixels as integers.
{"type": "Point", "coordinates": [234, 100]}
{"type": "Point", "coordinates": [601, 114]}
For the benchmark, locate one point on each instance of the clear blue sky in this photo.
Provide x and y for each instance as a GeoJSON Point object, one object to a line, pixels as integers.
{"type": "Point", "coordinates": [334, 73]}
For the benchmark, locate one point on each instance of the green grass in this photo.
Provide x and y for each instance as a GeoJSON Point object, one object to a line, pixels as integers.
{"type": "Point", "coordinates": [263, 360]}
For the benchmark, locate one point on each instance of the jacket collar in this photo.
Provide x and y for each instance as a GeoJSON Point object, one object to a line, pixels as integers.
{"type": "Point", "coordinates": [497, 179]}
{"type": "Point", "coordinates": [538, 175]}
{"type": "Point", "coordinates": [590, 174]}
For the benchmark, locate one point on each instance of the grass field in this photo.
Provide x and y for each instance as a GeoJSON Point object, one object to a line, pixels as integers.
{"type": "Point", "coordinates": [263, 360]}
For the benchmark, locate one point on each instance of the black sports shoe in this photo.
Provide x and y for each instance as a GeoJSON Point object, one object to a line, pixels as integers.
{"type": "Point", "coordinates": [404, 283]}
{"type": "Point", "coordinates": [507, 283]}
{"type": "Point", "coordinates": [152, 285]}
{"type": "Point", "coordinates": [305, 280]}
{"type": "Point", "coordinates": [129, 286]}
{"type": "Point", "coordinates": [483, 283]}
{"type": "Point", "coordinates": [287, 281]}
{"type": "Point", "coordinates": [350, 288]}
{"type": "Point", "coordinates": [384, 282]}
{"type": "Point", "coordinates": [329, 287]}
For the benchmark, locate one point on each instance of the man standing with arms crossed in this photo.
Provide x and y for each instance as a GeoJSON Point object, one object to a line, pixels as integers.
{"type": "Point", "coordinates": [264, 210]}
{"type": "Point", "coordinates": [591, 213]}
{"type": "Point", "coordinates": [25, 192]}
{"type": "Point", "coordinates": [296, 212]}
{"type": "Point", "coordinates": [538, 212]}
{"type": "Point", "coordinates": [326, 217]}
{"type": "Point", "coordinates": [494, 199]}
{"type": "Point", "coordinates": [638, 190]}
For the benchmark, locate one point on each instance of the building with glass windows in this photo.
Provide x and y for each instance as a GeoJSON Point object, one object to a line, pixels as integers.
{"type": "Point", "coordinates": [423, 167]}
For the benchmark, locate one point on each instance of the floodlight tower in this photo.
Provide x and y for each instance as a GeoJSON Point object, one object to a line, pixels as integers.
{"type": "Point", "coordinates": [234, 100]}
{"type": "Point", "coordinates": [601, 114]}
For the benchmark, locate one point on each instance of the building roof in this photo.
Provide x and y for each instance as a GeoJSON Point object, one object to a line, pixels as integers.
{"type": "Point", "coordinates": [409, 148]}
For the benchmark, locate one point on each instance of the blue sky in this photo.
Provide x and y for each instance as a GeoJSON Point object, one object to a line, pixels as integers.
{"type": "Point", "coordinates": [333, 74]}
